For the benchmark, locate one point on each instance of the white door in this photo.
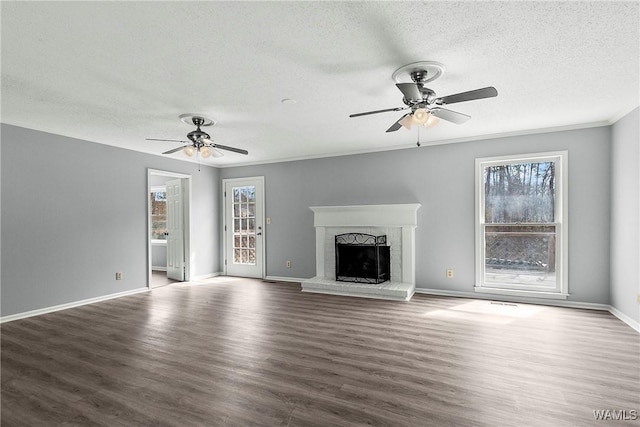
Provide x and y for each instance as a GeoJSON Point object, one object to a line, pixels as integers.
{"type": "Point", "coordinates": [175, 239]}
{"type": "Point", "coordinates": [244, 232]}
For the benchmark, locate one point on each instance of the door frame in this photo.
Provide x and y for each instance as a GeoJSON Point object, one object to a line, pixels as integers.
{"type": "Point", "coordinates": [186, 225]}
{"type": "Point", "coordinates": [263, 246]}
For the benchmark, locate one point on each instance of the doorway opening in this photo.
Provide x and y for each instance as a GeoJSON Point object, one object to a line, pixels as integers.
{"type": "Point", "coordinates": [169, 205]}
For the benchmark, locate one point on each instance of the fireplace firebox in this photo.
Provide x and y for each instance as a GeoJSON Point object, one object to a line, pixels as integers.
{"type": "Point", "coordinates": [362, 258]}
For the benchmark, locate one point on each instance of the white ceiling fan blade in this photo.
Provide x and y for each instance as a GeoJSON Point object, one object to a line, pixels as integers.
{"type": "Point", "coordinates": [485, 92]}
{"type": "Point", "coordinates": [173, 151]}
{"type": "Point", "coordinates": [235, 150]}
{"type": "Point", "coordinates": [211, 149]}
{"type": "Point", "coordinates": [378, 111]}
{"type": "Point", "coordinates": [165, 140]}
{"type": "Point", "coordinates": [397, 125]}
{"type": "Point", "coordinates": [410, 91]}
{"type": "Point", "coordinates": [449, 115]}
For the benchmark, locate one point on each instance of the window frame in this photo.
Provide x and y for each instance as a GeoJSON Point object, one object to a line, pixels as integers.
{"type": "Point", "coordinates": [561, 223]}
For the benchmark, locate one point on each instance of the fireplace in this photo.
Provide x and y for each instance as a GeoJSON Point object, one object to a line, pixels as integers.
{"type": "Point", "coordinates": [396, 223]}
{"type": "Point", "coordinates": [362, 258]}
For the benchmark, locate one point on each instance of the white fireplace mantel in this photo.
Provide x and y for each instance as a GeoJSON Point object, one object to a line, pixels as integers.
{"type": "Point", "coordinates": [403, 217]}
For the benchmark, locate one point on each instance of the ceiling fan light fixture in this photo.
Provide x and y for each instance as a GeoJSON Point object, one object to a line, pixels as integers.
{"type": "Point", "coordinates": [189, 150]}
{"type": "Point", "coordinates": [431, 121]}
{"type": "Point", "coordinates": [420, 116]}
{"type": "Point", "coordinates": [407, 121]}
{"type": "Point", "coordinates": [205, 152]}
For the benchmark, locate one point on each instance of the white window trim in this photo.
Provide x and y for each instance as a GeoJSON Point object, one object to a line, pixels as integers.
{"type": "Point", "coordinates": [562, 224]}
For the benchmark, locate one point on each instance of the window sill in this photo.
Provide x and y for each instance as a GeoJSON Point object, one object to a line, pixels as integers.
{"type": "Point", "coordinates": [158, 243]}
{"type": "Point", "coordinates": [521, 293]}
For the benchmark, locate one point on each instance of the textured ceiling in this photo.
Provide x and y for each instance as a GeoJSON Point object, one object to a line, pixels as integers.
{"type": "Point", "coordinates": [118, 72]}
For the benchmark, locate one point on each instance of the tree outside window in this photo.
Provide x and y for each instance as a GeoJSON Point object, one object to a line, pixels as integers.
{"type": "Point", "coordinates": [158, 215]}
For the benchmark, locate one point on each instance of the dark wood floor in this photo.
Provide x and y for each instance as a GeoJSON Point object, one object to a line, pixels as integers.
{"type": "Point", "coordinates": [244, 352]}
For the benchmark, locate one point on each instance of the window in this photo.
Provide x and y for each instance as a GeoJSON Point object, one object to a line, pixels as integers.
{"type": "Point", "coordinates": [158, 214]}
{"type": "Point", "coordinates": [521, 225]}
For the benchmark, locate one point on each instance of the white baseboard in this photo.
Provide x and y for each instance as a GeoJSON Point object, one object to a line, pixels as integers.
{"type": "Point", "coordinates": [509, 298]}
{"type": "Point", "coordinates": [626, 319]}
{"type": "Point", "coordinates": [59, 307]}
{"type": "Point", "coordinates": [557, 303]}
{"type": "Point", "coordinates": [158, 268]}
{"type": "Point", "coordinates": [285, 279]}
{"type": "Point", "coordinates": [520, 293]}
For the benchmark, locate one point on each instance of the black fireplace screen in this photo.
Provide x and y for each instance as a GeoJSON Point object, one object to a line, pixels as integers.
{"type": "Point", "coordinates": [362, 258]}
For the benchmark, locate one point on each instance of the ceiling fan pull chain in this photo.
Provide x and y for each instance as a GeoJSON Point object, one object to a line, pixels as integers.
{"type": "Point", "coordinates": [418, 142]}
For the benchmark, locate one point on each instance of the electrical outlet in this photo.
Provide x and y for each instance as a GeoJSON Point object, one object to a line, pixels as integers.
{"type": "Point", "coordinates": [268, 220]}
{"type": "Point", "coordinates": [449, 273]}
{"type": "Point", "coordinates": [118, 275]}
{"type": "Point", "coordinates": [288, 264]}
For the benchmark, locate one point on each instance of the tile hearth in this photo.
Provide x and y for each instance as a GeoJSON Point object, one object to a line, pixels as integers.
{"type": "Point", "coordinates": [387, 290]}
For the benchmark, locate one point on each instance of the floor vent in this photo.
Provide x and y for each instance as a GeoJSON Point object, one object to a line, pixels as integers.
{"type": "Point", "coordinates": [503, 303]}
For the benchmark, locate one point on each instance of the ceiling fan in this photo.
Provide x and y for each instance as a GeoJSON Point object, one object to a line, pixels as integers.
{"type": "Point", "coordinates": [426, 108]}
{"type": "Point", "coordinates": [199, 142]}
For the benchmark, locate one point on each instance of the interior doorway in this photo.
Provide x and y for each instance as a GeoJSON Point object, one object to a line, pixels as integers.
{"type": "Point", "coordinates": [169, 205]}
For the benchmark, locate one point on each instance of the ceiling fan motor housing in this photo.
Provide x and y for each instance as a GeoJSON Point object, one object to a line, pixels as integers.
{"type": "Point", "coordinates": [197, 136]}
{"type": "Point", "coordinates": [428, 97]}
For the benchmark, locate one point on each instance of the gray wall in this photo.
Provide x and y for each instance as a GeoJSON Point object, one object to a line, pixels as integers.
{"type": "Point", "coordinates": [74, 213]}
{"type": "Point", "coordinates": [158, 256]}
{"type": "Point", "coordinates": [441, 178]}
{"type": "Point", "coordinates": [625, 214]}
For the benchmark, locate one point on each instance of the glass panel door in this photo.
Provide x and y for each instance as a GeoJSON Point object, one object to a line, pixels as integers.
{"type": "Point", "coordinates": [244, 236]}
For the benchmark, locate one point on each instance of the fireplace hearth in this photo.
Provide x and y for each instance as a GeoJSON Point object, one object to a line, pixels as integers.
{"type": "Point", "coordinates": [362, 258]}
